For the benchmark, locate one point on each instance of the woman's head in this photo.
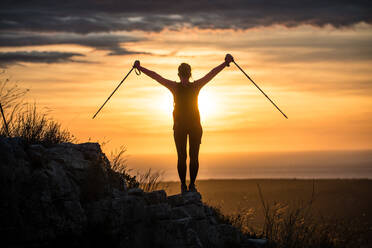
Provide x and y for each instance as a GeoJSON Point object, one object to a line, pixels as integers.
{"type": "Point", "coordinates": [184, 71]}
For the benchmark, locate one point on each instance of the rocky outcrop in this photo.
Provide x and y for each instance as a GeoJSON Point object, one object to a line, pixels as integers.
{"type": "Point", "coordinates": [67, 195]}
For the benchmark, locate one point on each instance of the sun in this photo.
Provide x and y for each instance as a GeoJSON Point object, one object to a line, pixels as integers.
{"type": "Point", "coordinates": [207, 102]}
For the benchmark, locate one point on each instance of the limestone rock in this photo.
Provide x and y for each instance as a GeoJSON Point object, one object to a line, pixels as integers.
{"type": "Point", "coordinates": [66, 195]}
{"type": "Point", "coordinates": [184, 199]}
{"type": "Point", "coordinates": [136, 191]}
{"type": "Point", "coordinates": [156, 197]}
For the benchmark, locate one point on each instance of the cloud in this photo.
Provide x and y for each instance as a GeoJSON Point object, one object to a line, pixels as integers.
{"type": "Point", "coordinates": [9, 58]}
{"type": "Point", "coordinates": [99, 41]}
{"type": "Point", "coordinates": [93, 23]}
{"type": "Point", "coordinates": [83, 16]}
{"type": "Point", "coordinates": [351, 54]}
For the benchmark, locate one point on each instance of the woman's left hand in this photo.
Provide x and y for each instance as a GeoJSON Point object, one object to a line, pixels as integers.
{"type": "Point", "coordinates": [136, 64]}
{"type": "Point", "coordinates": [228, 59]}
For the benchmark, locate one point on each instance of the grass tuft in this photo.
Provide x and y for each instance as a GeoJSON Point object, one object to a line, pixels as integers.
{"type": "Point", "coordinates": [150, 180]}
{"type": "Point", "coordinates": [118, 164]}
{"type": "Point", "coordinates": [25, 121]}
{"type": "Point", "coordinates": [295, 226]}
{"type": "Point", "coordinates": [37, 128]}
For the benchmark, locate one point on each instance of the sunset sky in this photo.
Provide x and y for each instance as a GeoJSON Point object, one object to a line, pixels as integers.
{"type": "Point", "coordinates": [313, 58]}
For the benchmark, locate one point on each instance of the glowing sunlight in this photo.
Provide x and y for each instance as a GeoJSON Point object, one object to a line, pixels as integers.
{"type": "Point", "coordinates": [207, 102]}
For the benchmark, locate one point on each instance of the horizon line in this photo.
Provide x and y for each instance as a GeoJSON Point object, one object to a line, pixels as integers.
{"type": "Point", "coordinates": [268, 151]}
{"type": "Point", "coordinates": [267, 178]}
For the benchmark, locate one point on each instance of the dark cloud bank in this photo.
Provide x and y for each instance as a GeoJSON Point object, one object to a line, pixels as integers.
{"type": "Point", "coordinates": [101, 41]}
{"type": "Point", "coordinates": [9, 58]}
{"type": "Point", "coordinates": [89, 23]}
{"type": "Point", "coordinates": [82, 16]}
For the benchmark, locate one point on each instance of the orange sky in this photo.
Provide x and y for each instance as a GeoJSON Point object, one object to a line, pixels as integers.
{"type": "Point", "coordinates": [320, 77]}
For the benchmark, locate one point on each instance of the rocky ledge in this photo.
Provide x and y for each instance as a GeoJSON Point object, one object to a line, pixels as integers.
{"type": "Point", "coordinates": [67, 195]}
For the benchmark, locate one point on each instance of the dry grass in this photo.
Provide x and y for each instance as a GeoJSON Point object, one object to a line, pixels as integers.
{"type": "Point", "coordinates": [118, 161]}
{"type": "Point", "coordinates": [35, 127]}
{"type": "Point", "coordinates": [11, 100]}
{"type": "Point", "coordinates": [148, 181]}
{"type": "Point", "coordinates": [118, 164]}
{"type": "Point", "coordinates": [295, 226]}
{"type": "Point", "coordinates": [25, 121]}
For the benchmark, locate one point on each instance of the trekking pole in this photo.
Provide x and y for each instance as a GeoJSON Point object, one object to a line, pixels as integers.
{"type": "Point", "coordinates": [139, 72]}
{"type": "Point", "coordinates": [5, 124]}
{"type": "Point", "coordinates": [259, 89]}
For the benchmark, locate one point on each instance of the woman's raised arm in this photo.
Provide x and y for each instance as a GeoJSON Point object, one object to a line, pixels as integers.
{"type": "Point", "coordinates": [210, 75]}
{"type": "Point", "coordinates": [165, 82]}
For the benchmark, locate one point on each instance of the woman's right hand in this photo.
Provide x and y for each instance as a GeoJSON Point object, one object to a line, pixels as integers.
{"type": "Point", "coordinates": [136, 64]}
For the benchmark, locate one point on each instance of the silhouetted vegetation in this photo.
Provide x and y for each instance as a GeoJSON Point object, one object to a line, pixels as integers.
{"type": "Point", "coordinates": [36, 127]}
{"type": "Point", "coordinates": [119, 165]}
{"type": "Point", "coordinates": [148, 181]}
{"type": "Point", "coordinates": [25, 121]}
{"type": "Point", "coordinates": [11, 100]}
{"type": "Point", "coordinates": [295, 226]}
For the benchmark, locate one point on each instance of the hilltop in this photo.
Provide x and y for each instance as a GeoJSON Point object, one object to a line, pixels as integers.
{"type": "Point", "coordinates": [67, 194]}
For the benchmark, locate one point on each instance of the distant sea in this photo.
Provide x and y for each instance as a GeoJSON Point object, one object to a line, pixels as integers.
{"type": "Point", "coordinates": [301, 165]}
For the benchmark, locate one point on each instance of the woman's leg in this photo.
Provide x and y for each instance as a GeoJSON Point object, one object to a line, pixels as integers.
{"type": "Point", "coordinates": [180, 138]}
{"type": "Point", "coordinates": [195, 141]}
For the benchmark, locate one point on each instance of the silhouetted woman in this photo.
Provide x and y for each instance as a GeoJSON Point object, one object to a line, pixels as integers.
{"type": "Point", "coordinates": [186, 115]}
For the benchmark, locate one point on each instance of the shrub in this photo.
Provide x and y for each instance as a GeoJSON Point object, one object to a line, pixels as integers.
{"type": "Point", "coordinates": [148, 181]}
{"type": "Point", "coordinates": [35, 127]}
{"type": "Point", "coordinates": [119, 164]}
{"type": "Point", "coordinates": [295, 226]}
{"type": "Point", "coordinates": [25, 121]}
{"type": "Point", "coordinates": [11, 100]}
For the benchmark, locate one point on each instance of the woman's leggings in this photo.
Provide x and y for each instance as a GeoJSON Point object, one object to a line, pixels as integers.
{"type": "Point", "coordinates": [180, 138]}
